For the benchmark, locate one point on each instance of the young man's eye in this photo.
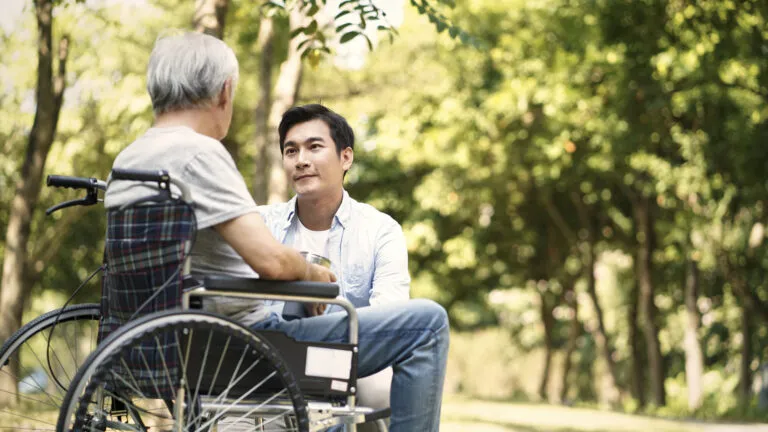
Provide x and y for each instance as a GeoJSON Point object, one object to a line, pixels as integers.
{"type": "Point", "coordinates": [315, 146]}
{"type": "Point", "coordinates": [290, 151]}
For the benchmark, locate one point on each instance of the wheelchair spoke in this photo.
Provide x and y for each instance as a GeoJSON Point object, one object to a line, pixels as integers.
{"type": "Point", "coordinates": [248, 383]}
{"type": "Point", "coordinates": [32, 377]}
{"type": "Point", "coordinates": [165, 367]}
{"type": "Point", "coordinates": [151, 378]}
{"type": "Point", "coordinates": [36, 386]}
{"type": "Point", "coordinates": [238, 400]}
{"type": "Point", "coordinates": [130, 387]}
{"type": "Point", "coordinates": [218, 367]}
{"type": "Point", "coordinates": [255, 409]}
{"type": "Point", "coordinates": [31, 399]}
{"type": "Point", "coordinates": [56, 356]}
{"type": "Point", "coordinates": [202, 368]}
{"type": "Point", "coordinates": [224, 394]}
{"type": "Point", "coordinates": [15, 414]}
{"type": "Point", "coordinates": [184, 358]}
{"type": "Point", "coordinates": [17, 428]}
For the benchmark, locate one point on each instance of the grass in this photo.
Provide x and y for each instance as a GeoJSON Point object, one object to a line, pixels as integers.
{"type": "Point", "coordinates": [461, 414]}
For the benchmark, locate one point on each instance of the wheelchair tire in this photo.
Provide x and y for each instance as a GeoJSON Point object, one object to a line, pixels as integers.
{"type": "Point", "coordinates": [219, 369]}
{"type": "Point", "coordinates": [38, 362]}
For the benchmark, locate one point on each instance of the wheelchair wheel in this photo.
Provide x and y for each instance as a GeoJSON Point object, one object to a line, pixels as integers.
{"type": "Point", "coordinates": [183, 371]}
{"type": "Point", "coordinates": [38, 363]}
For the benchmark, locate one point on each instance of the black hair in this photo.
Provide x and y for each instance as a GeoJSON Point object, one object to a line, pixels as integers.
{"type": "Point", "coordinates": [341, 132]}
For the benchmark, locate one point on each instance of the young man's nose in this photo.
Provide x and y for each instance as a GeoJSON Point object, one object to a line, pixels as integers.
{"type": "Point", "coordinates": [301, 160]}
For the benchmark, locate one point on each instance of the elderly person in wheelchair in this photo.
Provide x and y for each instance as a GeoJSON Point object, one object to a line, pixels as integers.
{"type": "Point", "coordinates": [191, 81]}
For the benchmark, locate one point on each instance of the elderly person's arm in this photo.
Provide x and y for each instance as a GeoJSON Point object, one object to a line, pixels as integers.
{"type": "Point", "coordinates": [250, 238]}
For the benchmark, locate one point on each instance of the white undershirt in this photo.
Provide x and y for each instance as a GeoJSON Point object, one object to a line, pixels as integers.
{"type": "Point", "coordinates": [311, 241]}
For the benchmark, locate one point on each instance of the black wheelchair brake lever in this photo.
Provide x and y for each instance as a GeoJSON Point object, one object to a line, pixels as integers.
{"type": "Point", "coordinates": [91, 198]}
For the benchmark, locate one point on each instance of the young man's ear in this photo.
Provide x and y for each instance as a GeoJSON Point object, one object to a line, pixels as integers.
{"type": "Point", "coordinates": [347, 157]}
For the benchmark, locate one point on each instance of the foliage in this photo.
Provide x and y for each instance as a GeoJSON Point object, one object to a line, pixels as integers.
{"type": "Point", "coordinates": [502, 159]}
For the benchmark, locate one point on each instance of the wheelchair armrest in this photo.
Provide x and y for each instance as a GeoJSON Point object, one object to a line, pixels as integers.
{"type": "Point", "coordinates": [254, 285]}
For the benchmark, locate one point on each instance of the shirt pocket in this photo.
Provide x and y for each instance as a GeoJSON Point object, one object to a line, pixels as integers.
{"type": "Point", "coordinates": [357, 282]}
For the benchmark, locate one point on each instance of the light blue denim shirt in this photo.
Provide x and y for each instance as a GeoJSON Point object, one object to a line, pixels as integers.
{"type": "Point", "coordinates": [367, 250]}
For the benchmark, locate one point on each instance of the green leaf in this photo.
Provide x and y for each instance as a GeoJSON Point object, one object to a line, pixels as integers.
{"type": "Point", "coordinates": [341, 28]}
{"type": "Point", "coordinates": [313, 9]}
{"type": "Point", "coordinates": [341, 14]}
{"type": "Point", "coordinates": [311, 28]}
{"type": "Point", "coordinates": [297, 31]}
{"type": "Point", "coordinates": [274, 4]}
{"type": "Point", "coordinates": [302, 44]}
{"type": "Point", "coordinates": [346, 37]}
{"type": "Point", "coordinates": [368, 40]}
{"type": "Point", "coordinates": [346, 2]}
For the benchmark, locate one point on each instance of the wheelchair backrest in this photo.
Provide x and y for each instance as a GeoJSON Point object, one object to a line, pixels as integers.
{"type": "Point", "coordinates": [145, 253]}
{"type": "Point", "coordinates": [146, 257]}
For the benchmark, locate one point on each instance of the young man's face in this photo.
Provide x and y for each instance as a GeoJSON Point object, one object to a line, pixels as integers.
{"type": "Point", "coordinates": [311, 161]}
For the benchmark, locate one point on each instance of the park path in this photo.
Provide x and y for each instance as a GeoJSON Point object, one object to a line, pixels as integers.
{"type": "Point", "coordinates": [460, 415]}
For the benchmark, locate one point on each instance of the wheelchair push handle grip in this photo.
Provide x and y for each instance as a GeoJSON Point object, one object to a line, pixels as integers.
{"type": "Point", "coordinates": [140, 175]}
{"type": "Point", "coordinates": [74, 182]}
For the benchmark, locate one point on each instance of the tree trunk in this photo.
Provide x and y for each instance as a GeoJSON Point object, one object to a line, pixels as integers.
{"type": "Point", "coordinates": [644, 268]}
{"type": "Point", "coordinates": [747, 330]}
{"type": "Point", "coordinates": [574, 332]}
{"type": "Point", "coordinates": [601, 336]}
{"type": "Point", "coordinates": [50, 90]}
{"type": "Point", "coordinates": [285, 93]}
{"type": "Point", "coordinates": [635, 343]}
{"type": "Point", "coordinates": [549, 327]}
{"type": "Point", "coordinates": [210, 17]}
{"type": "Point", "coordinates": [694, 360]}
{"type": "Point", "coordinates": [266, 60]}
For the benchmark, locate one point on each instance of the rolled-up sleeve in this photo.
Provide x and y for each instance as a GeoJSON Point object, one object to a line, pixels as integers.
{"type": "Point", "coordinates": [391, 280]}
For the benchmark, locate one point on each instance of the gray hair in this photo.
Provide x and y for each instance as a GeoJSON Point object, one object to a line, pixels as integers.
{"type": "Point", "coordinates": [188, 71]}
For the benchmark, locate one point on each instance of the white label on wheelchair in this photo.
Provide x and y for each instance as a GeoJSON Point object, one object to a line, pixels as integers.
{"type": "Point", "coordinates": [328, 363]}
{"type": "Point", "coordinates": [339, 385]}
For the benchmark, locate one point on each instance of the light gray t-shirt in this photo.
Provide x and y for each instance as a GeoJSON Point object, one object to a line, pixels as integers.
{"type": "Point", "coordinates": [219, 192]}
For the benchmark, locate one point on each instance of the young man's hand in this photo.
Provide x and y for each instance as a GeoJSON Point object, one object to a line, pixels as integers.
{"type": "Point", "coordinates": [315, 309]}
{"type": "Point", "coordinates": [318, 273]}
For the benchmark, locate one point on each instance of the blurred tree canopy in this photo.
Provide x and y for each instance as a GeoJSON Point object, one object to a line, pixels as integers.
{"type": "Point", "coordinates": [599, 161]}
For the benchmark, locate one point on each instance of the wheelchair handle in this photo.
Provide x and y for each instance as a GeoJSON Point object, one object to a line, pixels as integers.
{"type": "Point", "coordinates": [140, 175]}
{"type": "Point", "coordinates": [75, 182]}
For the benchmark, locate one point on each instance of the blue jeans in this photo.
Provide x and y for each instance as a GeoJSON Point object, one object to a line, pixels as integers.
{"type": "Point", "coordinates": [411, 336]}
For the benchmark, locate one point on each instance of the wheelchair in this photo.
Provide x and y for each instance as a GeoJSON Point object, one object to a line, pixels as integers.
{"type": "Point", "coordinates": [163, 363]}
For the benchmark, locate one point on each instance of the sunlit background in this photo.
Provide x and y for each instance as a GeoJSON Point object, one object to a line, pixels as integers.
{"type": "Point", "coordinates": [582, 184]}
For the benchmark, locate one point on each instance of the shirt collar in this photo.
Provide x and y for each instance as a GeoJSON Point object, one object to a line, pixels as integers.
{"type": "Point", "coordinates": [342, 214]}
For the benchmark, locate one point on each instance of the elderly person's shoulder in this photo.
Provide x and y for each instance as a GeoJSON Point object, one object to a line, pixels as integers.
{"type": "Point", "coordinates": [171, 148]}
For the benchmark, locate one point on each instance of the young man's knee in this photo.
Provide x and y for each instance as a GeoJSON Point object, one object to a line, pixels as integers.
{"type": "Point", "coordinates": [432, 312]}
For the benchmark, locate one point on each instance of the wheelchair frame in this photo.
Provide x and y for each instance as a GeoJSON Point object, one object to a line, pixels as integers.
{"type": "Point", "coordinates": [322, 414]}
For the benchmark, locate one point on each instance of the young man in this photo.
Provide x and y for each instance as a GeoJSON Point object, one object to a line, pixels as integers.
{"type": "Point", "coordinates": [191, 80]}
{"type": "Point", "coordinates": [366, 247]}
